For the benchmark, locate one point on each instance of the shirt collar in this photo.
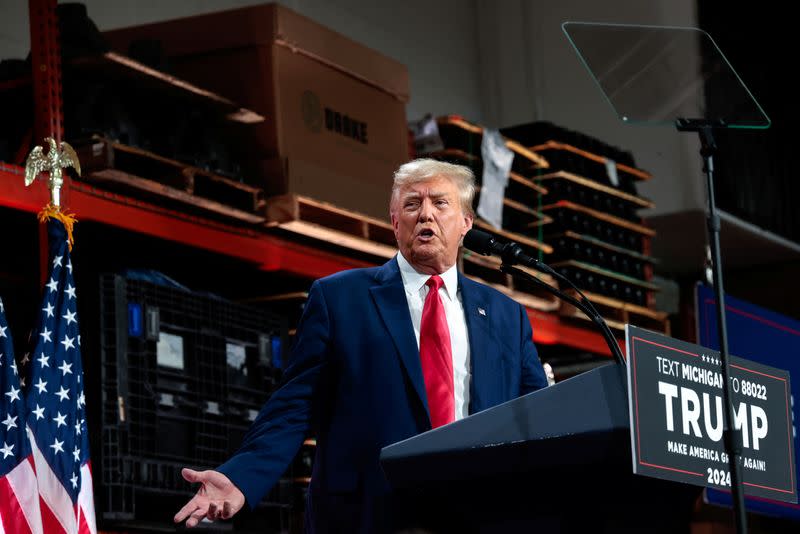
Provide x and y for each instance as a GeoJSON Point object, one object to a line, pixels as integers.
{"type": "Point", "coordinates": [414, 281]}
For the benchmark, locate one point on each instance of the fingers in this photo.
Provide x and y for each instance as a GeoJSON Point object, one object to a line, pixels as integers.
{"type": "Point", "coordinates": [227, 510]}
{"type": "Point", "coordinates": [195, 517]}
{"type": "Point", "coordinates": [190, 475]}
{"type": "Point", "coordinates": [214, 512]}
{"type": "Point", "coordinates": [187, 509]}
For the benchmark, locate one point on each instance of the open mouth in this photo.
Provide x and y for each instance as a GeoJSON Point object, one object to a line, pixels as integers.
{"type": "Point", "coordinates": [426, 234]}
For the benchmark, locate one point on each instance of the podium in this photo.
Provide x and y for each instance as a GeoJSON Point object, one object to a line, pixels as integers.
{"type": "Point", "coordinates": [555, 460]}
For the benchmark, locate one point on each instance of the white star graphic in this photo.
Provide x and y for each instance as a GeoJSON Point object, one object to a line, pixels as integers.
{"type": "Point", "coordinates": [46, 334]}
{"type": "Point", "coordinates": [14, 367]}
{"type": "Point", "coordinates": [78, 428]}
{"type": "Point", "coordinates": [57, 261]}
{"type": "Point", "coordinates": [26, 358]}
{"type": "Point", "coordinates": [41, 386]}
{"type": "Point", "coordinates": [43, 360]}
{"type": "Point", "coordinates": [68, 342]}
{"type": "Point", "coordinates": [70, 317]}
{"type": "Point", "coordinates": [65, 368]}
{"type": "Point", "coordinates": [49, 310]}
{"type": "Point", "coordinates": [81, 400]}
{"type": "Point", "coordinates": [2, 309]}
{"type": "Point", "coordinates": [3, 331]}
{"type": "Point", "coordinates": [13, 394]}
{"type": "Point", "coordinates": [70, 291]}
{"type": "Point", "coordinates": [60, 420]}
{"type": "Point", "coordinates": [10, 422]}
{"type": "Point", "coordinates": [53, 285]}
{"type": "Point", "coordinates": [1, 358]}
{"type": "Point", "coordinates": [69, 266]}
{"type": "Point", "coordinates": [57, 446]}
{"type": "Point", "coordinates": [77, 454]}
{"type": "Point", "coordinates": [39, 411]}
{"type": "Point", "coordinates": [63, 394]}
{"type": "Point", "coordinates": [74, 481]}
{"type": "Point", "coordinates": [6, 450]}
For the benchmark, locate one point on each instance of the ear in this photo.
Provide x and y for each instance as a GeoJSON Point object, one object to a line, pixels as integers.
{"type": "Point", "coordinates": [468, 220]}
{"type": "Point", "coordinates": [395, 221]}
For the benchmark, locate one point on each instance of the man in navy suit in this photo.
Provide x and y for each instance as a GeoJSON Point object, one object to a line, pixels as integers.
{"type": "Point", "coordinates": [382, 354]}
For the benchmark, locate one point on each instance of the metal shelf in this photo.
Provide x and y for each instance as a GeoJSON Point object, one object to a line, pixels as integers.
{"type": "Point", "coordinates": [267, 252]}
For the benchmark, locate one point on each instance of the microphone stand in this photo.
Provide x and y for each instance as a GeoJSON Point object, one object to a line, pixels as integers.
{"type": "Point", "coordinates": [584, 304]}
{"type": "Point", "coordinates": [733, 447]}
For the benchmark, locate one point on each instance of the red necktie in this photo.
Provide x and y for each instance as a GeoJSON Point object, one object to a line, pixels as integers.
{"type": "Point", "coordinates": [436, 356]}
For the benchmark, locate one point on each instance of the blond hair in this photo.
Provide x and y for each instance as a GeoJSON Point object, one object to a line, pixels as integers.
{"type": "Point", "coordinates": [421, 170]}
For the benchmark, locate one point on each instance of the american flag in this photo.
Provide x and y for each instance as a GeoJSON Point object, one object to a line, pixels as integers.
{"type": "Point", "coordinates": [19, 499]}
{"type": "Point", "coordinates": [56, 404]}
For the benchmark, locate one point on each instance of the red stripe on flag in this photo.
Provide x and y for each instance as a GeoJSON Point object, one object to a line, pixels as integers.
{"type": "Point", "coordinates": [50, 522]}
{"type": "Point", "coordinates": [12, 520]}
{"type": "Point", "coordinates": [87, 522]}
{"type": "Point", "coordinates": [23, 485]}
{"type": "Point", "coordinates": [83, 527]}
{"type": "Point", "coordinates": [55, 501]}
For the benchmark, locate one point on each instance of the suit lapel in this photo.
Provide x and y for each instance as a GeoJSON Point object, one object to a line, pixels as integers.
{"type": "Point", "coordinates": [390, 299]}
{"type": "Point", "coordinates": [476, 313]}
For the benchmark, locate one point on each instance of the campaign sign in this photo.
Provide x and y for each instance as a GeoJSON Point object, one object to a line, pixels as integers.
{"type": "Point", "coordinates": [676, 412]}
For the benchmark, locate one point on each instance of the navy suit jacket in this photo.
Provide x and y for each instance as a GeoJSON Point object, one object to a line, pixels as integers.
{"type": "Point", "coordinates": [355, 377]}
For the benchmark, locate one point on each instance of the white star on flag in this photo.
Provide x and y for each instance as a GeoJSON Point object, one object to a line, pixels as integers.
{"type": "Point", "coordinates": [39, 412]}
{"type": "Point", "coordinates": [70, 291]}
{"type": "Point", "coordinates": [74, 480]}
{"type": "Point", "coordinates": [43, 360]}
{"type": "Point", "coordinates": [48, 310]}
{"type": "Point", "coordinates": [70, 317]}
{"type": "Point", "coordinates": [6, 450]}
{"type": "Point", "coordinates": [77, 454]}
{"type": "Point", "coordinates": [57, 261]}
{"type": "Point", "coordinates": [65, 368]}
{"type": "Point", "coordinates": [3, 331]}
{"type": "Point", "coordinates": [41, 386]}
{"type": "Point", "coordinates": [63, 394]}
{"type": "Point", "coordinates": [53, 285]}
{"type": "Point", "coordinates": [60, 420]}
{"type": "Point", "coordinates": [68, 342]}
{"type": "Point", "coordinates": [57, 446]}
{"type": "Point", "coordinates": [10, 422]}
{"type": "Point", "coordinates": [13, 394]}
{"type": "Point", "coordinates": [46, 335]}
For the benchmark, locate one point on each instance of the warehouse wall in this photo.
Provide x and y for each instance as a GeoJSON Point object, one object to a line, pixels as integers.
{"type": "Point", "coordinates": [496, 62]}
{"type": "Point", "coordinates": [435, 40]}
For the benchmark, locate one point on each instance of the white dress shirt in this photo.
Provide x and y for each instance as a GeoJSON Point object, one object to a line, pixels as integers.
{"type": "Point", "coordinates": [416, 291]}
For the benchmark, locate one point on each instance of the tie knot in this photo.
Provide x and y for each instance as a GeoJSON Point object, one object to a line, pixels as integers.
{"type": "Point", "coordinates": [435, 282]}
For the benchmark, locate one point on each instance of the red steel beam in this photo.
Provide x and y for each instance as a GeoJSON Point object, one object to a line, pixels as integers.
{"type": "Point", "coordinates": [268, 252]}
{"type": "Point", "coordinates": [46, 64]}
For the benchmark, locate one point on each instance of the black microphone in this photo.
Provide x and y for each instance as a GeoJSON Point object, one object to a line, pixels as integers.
{"type": "Point", "coordinates": [511, 253]}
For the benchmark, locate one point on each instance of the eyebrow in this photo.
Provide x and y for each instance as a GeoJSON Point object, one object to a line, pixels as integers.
{"type": "Point", "coordinates": [434, 195]}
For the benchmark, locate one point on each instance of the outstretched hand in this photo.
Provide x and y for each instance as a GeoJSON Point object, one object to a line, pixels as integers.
{"type": "Point", "coordinates": [217, 498]}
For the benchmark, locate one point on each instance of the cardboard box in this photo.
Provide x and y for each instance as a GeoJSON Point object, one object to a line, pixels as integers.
{"type": "Point", "coordinates": [335, 126]}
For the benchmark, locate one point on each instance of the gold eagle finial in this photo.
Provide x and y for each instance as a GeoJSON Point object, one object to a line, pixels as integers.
{"type": "Point", "coordinates": [39, 162]}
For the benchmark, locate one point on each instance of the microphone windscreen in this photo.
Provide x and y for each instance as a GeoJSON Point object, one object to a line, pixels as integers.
{"type": "Point", "coordinates": [479, 241]}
